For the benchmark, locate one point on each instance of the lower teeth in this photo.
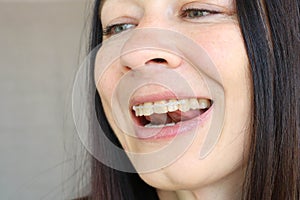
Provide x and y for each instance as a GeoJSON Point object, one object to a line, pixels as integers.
{"type": "Point", "coordinates": [160, 125]}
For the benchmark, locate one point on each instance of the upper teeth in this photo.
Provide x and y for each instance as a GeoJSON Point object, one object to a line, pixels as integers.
{"type": "Point", "coordinates": [164, 106]}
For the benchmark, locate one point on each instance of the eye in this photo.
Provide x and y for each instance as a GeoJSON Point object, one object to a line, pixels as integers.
{"type": "Point", "coordinates": [194, 13]}
{"type": "Point", "coordinates": [117, 28]}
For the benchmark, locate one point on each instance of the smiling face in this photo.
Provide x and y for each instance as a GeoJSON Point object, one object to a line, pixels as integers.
{"type": "Point", "coordinates": [183, 98]}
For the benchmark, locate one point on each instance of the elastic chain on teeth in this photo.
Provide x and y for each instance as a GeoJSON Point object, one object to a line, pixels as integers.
{"type": "Point", "coordinates": [161, 107]}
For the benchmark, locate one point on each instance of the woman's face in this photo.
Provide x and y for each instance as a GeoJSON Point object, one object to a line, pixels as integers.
{"type": "Point", "coordinates": [213, 25]}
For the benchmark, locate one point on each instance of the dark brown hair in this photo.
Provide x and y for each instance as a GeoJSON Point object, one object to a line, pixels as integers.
{"type": "Point", "coordinates": [271, 33]}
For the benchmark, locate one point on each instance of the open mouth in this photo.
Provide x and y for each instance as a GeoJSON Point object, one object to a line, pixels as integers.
{"type": "Point", "coordinates": [170, 112]}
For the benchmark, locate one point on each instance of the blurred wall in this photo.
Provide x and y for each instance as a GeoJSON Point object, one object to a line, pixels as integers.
{"type": "Point", "coordinates": [40, 43]}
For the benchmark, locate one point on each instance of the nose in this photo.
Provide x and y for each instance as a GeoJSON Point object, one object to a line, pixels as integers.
{"type": "Point", "coordinates": [144, 48]}
{"type": "Point", "coordinates": [141, 57]}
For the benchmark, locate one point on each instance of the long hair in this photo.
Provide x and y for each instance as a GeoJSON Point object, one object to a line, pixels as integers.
{"type": "Point", "coordinates": [271, 34]}
{"type": "Point", "coordinates": [272, 38]}
{"type": "Point", "coordinates": [107, 183]}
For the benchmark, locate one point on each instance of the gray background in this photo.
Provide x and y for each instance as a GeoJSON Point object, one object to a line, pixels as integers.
{"type": "Point", "coordinates": [41, 45]}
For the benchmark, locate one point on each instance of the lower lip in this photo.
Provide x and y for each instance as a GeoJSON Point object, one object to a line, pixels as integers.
{"type": "Point", "coordinates": [169, 132]}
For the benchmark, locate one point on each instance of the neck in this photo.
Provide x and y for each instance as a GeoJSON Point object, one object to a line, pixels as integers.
{"type": "Point", "coordinates": [229, 188]}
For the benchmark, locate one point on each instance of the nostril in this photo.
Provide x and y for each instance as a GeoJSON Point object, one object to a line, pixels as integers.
{"type": "Point", "coordinates": [157, 60]}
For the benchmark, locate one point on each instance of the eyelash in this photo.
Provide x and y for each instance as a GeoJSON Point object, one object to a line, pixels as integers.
{"type": "Point", "coordinates": [204, 13]}
{"type": "Point", "coordinates": [111, 29]}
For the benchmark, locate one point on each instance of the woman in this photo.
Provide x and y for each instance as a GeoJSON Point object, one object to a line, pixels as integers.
{"type": "Point", "coordinates": [254, 46]}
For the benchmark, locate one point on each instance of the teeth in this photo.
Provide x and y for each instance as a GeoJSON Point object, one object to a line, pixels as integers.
{"type": "Point", "coordinates": [184, 105]}
{"type": "Point", "coordinates": [172, 105]}
{"type": "Point", "coordinates": [194, 104]}
{"type": "Point", "coordinates": [161, 107]}
{"type": "Point", "coordinates": [159, 126]}
{"type": "Point", "coordinates": [204, 103]}
{"type": "Point", "coordinates": [138, 111]}
{"type": "Point", "coordinates": [148, 109]}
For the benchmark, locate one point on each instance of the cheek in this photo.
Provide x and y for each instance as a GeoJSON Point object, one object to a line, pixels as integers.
{"type": "Point", "coordinates": [230, 57]}
{"type": "Point", "coordinates": [225, 46]}
{"type": "Point", "coordinates": [107, 82]}
{"type": "Point", "coordinates": [227, 51]}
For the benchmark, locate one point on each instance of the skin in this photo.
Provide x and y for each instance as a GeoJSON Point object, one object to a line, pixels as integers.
{"type": "Point", "coordinates": [220, 174]}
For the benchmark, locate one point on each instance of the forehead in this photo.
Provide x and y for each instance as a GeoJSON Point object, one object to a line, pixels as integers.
{"type": "Point", "coordinates": [116, 2]}
{"type": "Point", "coordinates": [110, 8]}
{"type": "Point", "coordinates": [121, 2]}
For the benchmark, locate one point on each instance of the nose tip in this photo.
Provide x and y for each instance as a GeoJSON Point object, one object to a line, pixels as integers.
{"type": "Point", "coordinates": [150, 46]}
{"type": "Point", "coordinates": [142, 57]}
